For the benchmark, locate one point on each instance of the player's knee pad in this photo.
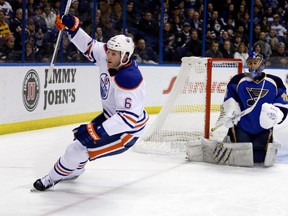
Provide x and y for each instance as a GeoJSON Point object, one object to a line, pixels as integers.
{"type": "Point", "coordinates": [75, 152]}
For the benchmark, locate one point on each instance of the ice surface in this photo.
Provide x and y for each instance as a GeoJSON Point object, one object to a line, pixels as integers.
{"type": "Point", "coordinates": [134, 184]}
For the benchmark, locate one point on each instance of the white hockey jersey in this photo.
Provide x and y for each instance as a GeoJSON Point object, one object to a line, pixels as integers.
{"type": "Point", "coordinates": [122, 93]}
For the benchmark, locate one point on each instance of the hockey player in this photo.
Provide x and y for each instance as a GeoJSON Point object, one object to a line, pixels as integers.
{"type": "Point", "coordinates": [122, 92]}
{"type": "Point", "coordinates": [271, 108]}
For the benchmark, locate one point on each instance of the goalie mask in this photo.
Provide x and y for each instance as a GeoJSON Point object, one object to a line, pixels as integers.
{"type": "Point", "coordinates": [124, 45]}
{"type": "Point", "coordinates": [256, 64]}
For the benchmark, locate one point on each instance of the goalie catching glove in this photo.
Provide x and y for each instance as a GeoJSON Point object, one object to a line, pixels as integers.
{"type": "Point", "coordinates": [270, 115]}
{"type": "Point", "coordinates": [67, 22]}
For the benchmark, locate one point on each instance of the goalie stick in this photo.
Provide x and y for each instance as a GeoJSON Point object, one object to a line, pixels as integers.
{"type": "Point", "coordinates": [244, 112]}
{"type": "Point", "coordinates": [50, 70]}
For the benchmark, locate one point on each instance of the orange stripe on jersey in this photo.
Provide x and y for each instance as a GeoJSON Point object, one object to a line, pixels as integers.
{"type": "Point", "coordinates": [109, 149]}
{"type": "Point", "coordinates": [129, 118]}
{"type": "Point", "coordinates": [128, 64]}
{"type": "Point", "coordinates": [140, 125]}
{"type": "Point", "coordinates": [62, 171]}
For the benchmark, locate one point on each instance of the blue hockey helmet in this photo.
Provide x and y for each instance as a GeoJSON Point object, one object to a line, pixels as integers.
{"type": "Point", "coordinates": [255, 63]}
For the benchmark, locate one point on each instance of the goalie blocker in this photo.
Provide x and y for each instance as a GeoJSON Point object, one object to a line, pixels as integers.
{"type": "Point", "coordinates": [224, 153]}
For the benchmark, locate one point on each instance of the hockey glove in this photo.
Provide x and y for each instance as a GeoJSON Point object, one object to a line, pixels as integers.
{"type": "Point", "coordinates": [89, 133]}
{"type": "Point", "coordinates": [230, 109]}
{"type": "Point", "coordinates": [270, 115]}
{"type": "Point", "coordinates": [231, 119]}
{"type": "Point", "coordinates": [67, 22]}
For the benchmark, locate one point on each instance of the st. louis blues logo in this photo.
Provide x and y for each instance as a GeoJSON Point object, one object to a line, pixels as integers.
{"type": "Point", "coordinates": [104, 85]}
{"type": "Point", "coordinates": [254, 93]}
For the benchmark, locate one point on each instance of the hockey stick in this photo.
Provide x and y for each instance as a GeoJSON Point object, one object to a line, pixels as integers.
{"type": "Point", "coordinates": [50, 70]}
{"type": "Point", "coordinates": [244, 112]}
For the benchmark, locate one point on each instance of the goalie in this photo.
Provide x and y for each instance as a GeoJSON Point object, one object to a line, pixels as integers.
{"type": "Point", "coordinates": [269, 94]}
{"type": "Point", "coordinates": [254, 103]}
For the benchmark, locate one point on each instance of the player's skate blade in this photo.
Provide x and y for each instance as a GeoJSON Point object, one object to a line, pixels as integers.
{"type": "Point", "coordinates": [43, 184]}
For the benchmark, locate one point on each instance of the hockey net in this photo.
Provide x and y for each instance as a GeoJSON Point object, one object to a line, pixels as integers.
{"type": "Point", "coordinates": [192, 107]}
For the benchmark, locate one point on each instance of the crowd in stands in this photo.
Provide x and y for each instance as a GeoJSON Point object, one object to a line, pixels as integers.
{"type": "Point", "coordinates": [227, 29]}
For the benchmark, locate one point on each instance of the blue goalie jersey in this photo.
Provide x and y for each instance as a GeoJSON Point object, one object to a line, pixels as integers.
{"type": "Point", "coordinates": [245, 91]}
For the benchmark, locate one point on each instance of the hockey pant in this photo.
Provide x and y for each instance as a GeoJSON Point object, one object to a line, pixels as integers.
{"type": "Point", "coordinates": [259, 141]}
{"type": "Point", "coordinates": [73, 161]}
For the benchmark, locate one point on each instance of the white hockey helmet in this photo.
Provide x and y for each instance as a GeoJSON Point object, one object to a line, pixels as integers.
{"type": "Point", "coordinates": [123, 44]}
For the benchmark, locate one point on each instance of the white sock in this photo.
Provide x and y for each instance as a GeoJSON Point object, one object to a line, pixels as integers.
{"type": "Point", "coordinates": [74, 157]}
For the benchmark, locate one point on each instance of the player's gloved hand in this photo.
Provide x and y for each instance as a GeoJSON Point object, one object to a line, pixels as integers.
{"type": "Point", "coordinates": [89, 133]}
{"type": "Point", "coordinates": [270, 115]}
{"type": "Point", "coordinates": [67, 22]}
{"type": "Point", "coordinates": [231, 119]}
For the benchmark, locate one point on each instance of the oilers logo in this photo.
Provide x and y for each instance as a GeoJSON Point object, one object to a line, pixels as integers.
{"type": "Point", "coordinates": [104, 85]}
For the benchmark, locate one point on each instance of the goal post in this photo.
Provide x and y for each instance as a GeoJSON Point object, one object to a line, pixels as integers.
{"type": "Point", "coordinates": [192, 107]}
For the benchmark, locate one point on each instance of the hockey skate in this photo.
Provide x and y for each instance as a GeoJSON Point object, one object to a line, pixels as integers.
{"type": "Point", "coordinates": [44, 183]}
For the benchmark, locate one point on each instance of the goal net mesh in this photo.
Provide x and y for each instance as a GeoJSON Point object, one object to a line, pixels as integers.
{"type": "Point", "coordinates": [192, 107]}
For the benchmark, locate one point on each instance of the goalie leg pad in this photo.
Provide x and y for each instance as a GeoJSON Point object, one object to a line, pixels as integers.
{"type": "Point", "coordinates": [233, 154]}
{"type": "Point", "coordinates": [194, 151]}
{"type": "Point", "coordinates": [271, 153]}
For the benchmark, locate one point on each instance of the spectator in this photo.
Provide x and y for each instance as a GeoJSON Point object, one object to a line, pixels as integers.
{"type": "Point", "coordinates": [242, 53]}
{"type": "Point", "coordinates": [148, 25]}
{"type": "Point", "coordinates": [236, 41]}
{"type": "Point", "coordinates": [193, 46]}
{"type": "Point", "coordinates": [214, 52]}
{"type": "Point", "coordinates": [228, 13]}
{"type": "Point", "coordinates": [241, 13]}
{"type": "Point", "coordinates": [279, 57]}
{"type": "Point", "coordinates": [223, 36]}
{"type": "Point", "coordinates": [245, 22]}
{"type": "Point", "coordinates": [99, 35]}
{"type": "Point", "coordinates": [210, 37]}
{"type": "Point", "coordinates": [227, 49]}
{"type": "Point", "coordinates": [242, 33]}
{"type": "Point", "coordinates": [196, 23]}
{"type": "Point", "coordinates": [190, 15]}
{"type": "Point", "coordinates": [49, 16]}
{"type": "Point", "coordinates": [266, 49]}
{"type": "Point", "coordinates": [258, 48]}
{"type": "Point", "coordinates": [256, 33]}
{"type": "Point", "coordinates": [16, 28]}
{"type": "Point", "coordinates": [7, 52]}
{"type": "Point", "coordinates": [265, 25]}
{"type": "Point", "coordinates": [143, 54]}
{"type": "Point", "coordinates": [71, 53]}
{"type": "Point", "coordinates": [176, 25]}
{"type": "Point", "coordinates": [279, 28]}
{"type": "Point", "coordinates": [7, 10]}
{"type": "Point", "coordinates": [74, 8]}
{"type": "Point", "coordinates": [109, 30]}
{"type": "Point", "coordinates": [57, 6]}
{"type": "Point", "coordinates": [183, 37]}
{"type": "Point", "coordinates": [111, 10]}
{"type": "Point", "coordinates": [272, 35]}
{"type": "Point", "coordinates": [230, 27]}
{"type": "Point", "coordinates": [45, 52]}
{"type": "Point", "coordinates": [30, 52]}
{"type": "Point", "coordinates": [273, 44]}
{"type": "Point", "coordinates": [130, 16]}
{"type": "Point", "coordinates": [38, 19]}
{"type": "Point", "coordinates": [168, 42]}
{"type": "Point", "coordinates": [4, 27]}
{"type": "Point", "coordinates": [215, 24]}
{"type": "Point", "coordinates": [269, 14]}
